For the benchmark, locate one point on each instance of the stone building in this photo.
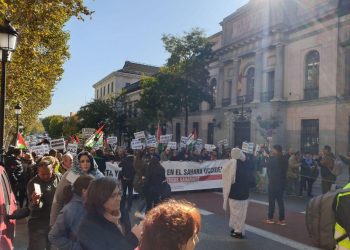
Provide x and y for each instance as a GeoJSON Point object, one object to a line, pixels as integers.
{"type": "Point", "coordinates": [282, 61]}
{"type": "Point", "coordinates": [112, 84]}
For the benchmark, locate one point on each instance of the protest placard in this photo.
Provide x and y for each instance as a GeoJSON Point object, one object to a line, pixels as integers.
{"type": "Point", "coordinates": [136, 144]}
{"type": "Point", "coordinates": [172, 145]}
{"type": "Point", "coordinates": [40, 150]}
{"type": "Point", "coordinates": [223, 142]}
{"type": "Point", "coordinates": [112, 140]}
{"type": "Point", "coordinates": [140, 135]}
{"type": "Point", "coordinates": [209, 147]}
{"type": "Point", "coordinates": [151, 141]}
{"type": "Point", "coordinates": [87, 132]}
{"type": "Point", "coordinates": [166, 138]}
{"type": "Point", "coordinates": [58, 144]}
{"type": "Point", "coordinates": [248, 147]}
{"type": "Point", "coordinates": [72, 148]}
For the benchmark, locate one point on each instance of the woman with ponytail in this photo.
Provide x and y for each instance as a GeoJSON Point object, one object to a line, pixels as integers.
{"type": "Point", "coordinates": [63, 233]}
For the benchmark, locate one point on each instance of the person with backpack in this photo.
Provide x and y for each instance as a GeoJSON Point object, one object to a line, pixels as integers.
{"type": "Point", "coordinates": [326, 163]}
{"type": "Point", "coordinates": [342, 217]}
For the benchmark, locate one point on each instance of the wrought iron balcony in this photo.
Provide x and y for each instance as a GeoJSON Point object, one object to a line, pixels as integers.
{"type": "Point", "coordinates": [267, 96]}
{"type": "Point", "coordinates": [311, 93]}
{"type": "Point", "coordinates": [243, 99]}
{"type": "Point", "coordinates": [226, 102]}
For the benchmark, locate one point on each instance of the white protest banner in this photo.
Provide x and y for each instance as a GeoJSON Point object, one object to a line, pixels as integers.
{"type": "Point", "coordinates": [112, 140]}
{"type": "Point", "coordinates": [140, 135]}
{"type": "Point", "coordinates": [40, 150]}
{"type": "Point", "coordinates": [209, 147]}
{"type": "Point", "coordinates": [32, 144]}
{"type": "Point", "coordinates": [112, 169]}
{"type": "Point", "coordinates": [136, 144]}
{"type": "Point", "coordinates": [166, 138]}
{"type": "Point", "coordinates": [72, 148]}
{"type": "Point", "coordinates": [87, 132]}
{"type": "Point", "coordinates": [58, 144]}
{"type": "Point", "coordinates": [185, 176]}
{"type": "Point", "coordinates": [172, 145]}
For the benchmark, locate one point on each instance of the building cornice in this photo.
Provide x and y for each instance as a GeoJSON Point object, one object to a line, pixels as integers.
{"type": "Point", "coordinates": [115, 74]}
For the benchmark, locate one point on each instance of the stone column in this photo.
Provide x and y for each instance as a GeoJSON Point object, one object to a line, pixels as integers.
{"type": "Point", "coordinates": [258, 75]}
{"type": "Point", "coordinates": [236, 66]}
{"type": "Point", "coordinates": [279, 73]}
{"type": "Point", "coordinates": [220, 86]}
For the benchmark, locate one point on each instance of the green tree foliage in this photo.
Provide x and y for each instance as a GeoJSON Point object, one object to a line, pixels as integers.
{"type": "Point", "coordinates": [189, 58]}
{"type": "Point", "coordinates": [111, 112]}
{"type": "Point", "coordinates": [35, 128]}
{"type": "Point", "coordinates": [71, 126]}
{"type": "Point", "coordinates": [54, 125]}
{"type": "Point", "coordinates": [37, 63]}
{"type": "Point", "coordinates": [159, 98]}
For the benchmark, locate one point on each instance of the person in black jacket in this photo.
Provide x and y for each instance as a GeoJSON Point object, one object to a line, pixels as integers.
{"type": "Point", "coordinates": [106, 225]}
{"type": "Point", "coordinates": [154, 179]}
{"type": "Point", "coordinates": [100, 160]}
{"type": "Point", "coordinates": [239, 194]}
{"type": "Point", "coordinates": [127, 177]}
{"type": "Point", "coordinates": [277, 167]}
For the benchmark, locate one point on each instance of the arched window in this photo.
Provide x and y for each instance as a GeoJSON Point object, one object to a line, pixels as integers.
{"type": "Point", "coordinates": [213, 88]}
{"type": "Point", "coordinates": [250, 84]}
{"type": "Point", "coordinates": [312, 73]}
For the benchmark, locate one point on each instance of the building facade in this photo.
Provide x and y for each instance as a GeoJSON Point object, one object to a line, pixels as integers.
{"type": "Point", "coordinates": [112, 84]}
{"type": "Point", "coordinates": [281, 75]}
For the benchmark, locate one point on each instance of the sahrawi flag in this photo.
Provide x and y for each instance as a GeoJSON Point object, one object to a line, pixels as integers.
{"type": "Point", "coordinates": [192, 138]}
{"type": "Point", "coordinates": [20, 143]}
{"type": "Point", "coordinates": [95, 139]}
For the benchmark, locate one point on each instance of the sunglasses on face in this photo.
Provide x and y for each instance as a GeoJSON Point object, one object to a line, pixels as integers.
{"type": "Point", "coordinates": [87, 161]}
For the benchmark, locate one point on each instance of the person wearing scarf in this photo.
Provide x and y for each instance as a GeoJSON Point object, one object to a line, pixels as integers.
{"type": "Point", "coordinates": [84, 164]}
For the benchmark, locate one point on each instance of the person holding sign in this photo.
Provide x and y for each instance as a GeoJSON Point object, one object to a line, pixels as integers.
{"type": "Point", "coordinates": [84, 165]}
{"type": "Point", "coordinates": [41, 190]}
{"type": "Point", "coordinates": [105, 225]}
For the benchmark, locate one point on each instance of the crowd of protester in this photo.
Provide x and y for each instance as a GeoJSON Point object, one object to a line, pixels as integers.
{"type": "Point", "coordinates": [71, 204]}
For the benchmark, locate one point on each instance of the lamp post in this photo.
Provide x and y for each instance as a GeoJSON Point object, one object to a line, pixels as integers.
{"type": "Point", "coordinates": [18, 110]}
{"type": "Point", "coordinates": [8, 41]}
{"type": "Point", "coordinates": [21, 128]}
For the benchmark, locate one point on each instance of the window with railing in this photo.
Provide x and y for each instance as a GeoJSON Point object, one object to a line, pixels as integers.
{"type": "Point", "coordinates": [310, 136]}
{"type": "Point", "coordinates": [243, 99]}
{"type": "Point", "coordinates": [312, 73]}
{"type": "Point", "coordinates": [267, 96]}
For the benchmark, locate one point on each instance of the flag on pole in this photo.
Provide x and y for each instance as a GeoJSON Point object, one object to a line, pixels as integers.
{"type": "Point", "coordinates": [20, 143]}
{"type": "Point", "coordinates": [95, 138]}
{"type": "Point", "coordinates": [159, 132]}
{"type": "Point", "coordinates": [74, 139]}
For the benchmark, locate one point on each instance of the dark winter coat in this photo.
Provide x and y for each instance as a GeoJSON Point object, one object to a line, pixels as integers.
{"type": "Point", "coordinates": [277, 167]}
{"type": "Point", "coordinates": [240, 189]}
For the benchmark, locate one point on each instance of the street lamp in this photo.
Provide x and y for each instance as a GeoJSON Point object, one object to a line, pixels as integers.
{"type": "Point", "coordinates": [18, 111]}
{"type": "Point", "coordinates": [21, 128]}
{"type": "Point", "coordinates": [8, 41]}
{"type": "Point", "coordinates": [242, 114]}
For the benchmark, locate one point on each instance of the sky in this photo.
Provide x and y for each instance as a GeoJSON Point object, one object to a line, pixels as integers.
{"type": "Point", "coordinates": [121, 30]}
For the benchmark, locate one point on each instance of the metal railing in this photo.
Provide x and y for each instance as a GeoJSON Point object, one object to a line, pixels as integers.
{"type": "Point", "coordinates": [243, 99]}
{"type": "Point", "coordinates": [311, 93]}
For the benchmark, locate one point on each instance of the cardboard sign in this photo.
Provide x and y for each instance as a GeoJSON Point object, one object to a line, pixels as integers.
{"type": "Point", "coordinates": [140, 135]}
{"type": "Point", "coordinates": [136, 144]}
{"type": "Point", "coordinates": [172, 145]}
{"type": "Point", "coordinates": [87, 132]}
{"type": "Point", "coordinates": [58, 144]}
{"type": "Point", "coordinates": [72, 148]}
{"type": "Point", "coordinates": [223, 142]}
{"type": "Point", "coordinates": [112, 140]}
{"type": "Point", "coordinates": [151, 141]}
{"type": "Point", "coordinates": [209, 147]}
{"type": "Point", "coordinates": [166, 138]}
{"type": "Point", "coordinates": [248, 147]}
{"type": "Point", "coordinates": [41, 150]}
